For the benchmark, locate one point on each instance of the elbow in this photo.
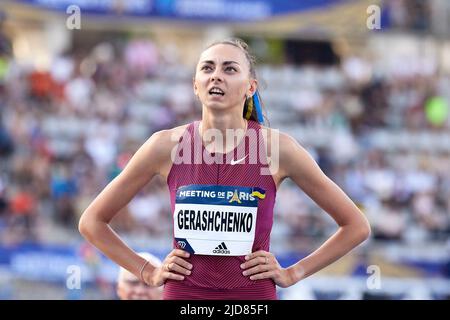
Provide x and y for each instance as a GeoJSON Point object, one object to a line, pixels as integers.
{"type": "Point", "coordinates": [363, 231]}
{"type": "Point", "coordinates": [84, 226]}
{"type": "Point", "coordinates": [90, 225]}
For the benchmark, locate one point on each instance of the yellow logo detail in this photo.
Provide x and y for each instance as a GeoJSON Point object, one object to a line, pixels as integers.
{"type": "Point", "coordinates": [235, 197]}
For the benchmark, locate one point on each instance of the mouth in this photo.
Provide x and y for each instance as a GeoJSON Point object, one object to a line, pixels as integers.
{"type": "Point", "coordinates": [216, 91]}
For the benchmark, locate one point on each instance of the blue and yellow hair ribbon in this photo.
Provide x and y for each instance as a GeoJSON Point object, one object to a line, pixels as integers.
{"type": "Point", "coordinates": [258, 108]}
{"type": "Point", "coordinates": [259, 193]}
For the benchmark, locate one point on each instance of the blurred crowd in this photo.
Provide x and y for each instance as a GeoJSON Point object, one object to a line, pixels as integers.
{"type": "Point", "coordinates": [381, 133]}
{"type": "Point", "coordinates": [407, 14]}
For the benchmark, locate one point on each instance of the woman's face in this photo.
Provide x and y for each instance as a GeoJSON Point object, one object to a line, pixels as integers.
{"type": "Point", "coordinates": [222, 79]}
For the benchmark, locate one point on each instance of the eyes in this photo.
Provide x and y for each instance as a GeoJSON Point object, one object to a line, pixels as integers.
{"type": "Point", "coordinates": [228, 69]}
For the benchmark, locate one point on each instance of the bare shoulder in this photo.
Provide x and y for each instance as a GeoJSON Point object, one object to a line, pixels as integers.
{"type": "Point", "coordinates": [161, 145]}
{"type": "Point", "coordinates": [283, 151]}
{"type": "Point", "coordinates": [166, 139]}
{"type": "Point", "coordinates": [296, 162]}
{"type": "Point", "coordinates": [291, 158]}
{"type": "Point", "coordinates": [285, 143]}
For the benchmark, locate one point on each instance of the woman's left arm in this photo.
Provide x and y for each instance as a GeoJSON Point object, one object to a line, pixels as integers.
{"type": "Point", "coordinates": [297, 164]}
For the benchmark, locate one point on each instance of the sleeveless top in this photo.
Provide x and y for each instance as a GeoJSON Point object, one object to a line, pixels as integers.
{"type": "Point", "coordinates": [220, 277]}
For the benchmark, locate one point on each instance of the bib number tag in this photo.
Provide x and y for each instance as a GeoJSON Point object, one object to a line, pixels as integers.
{"type": "Point", "coordinates": [216, 220]}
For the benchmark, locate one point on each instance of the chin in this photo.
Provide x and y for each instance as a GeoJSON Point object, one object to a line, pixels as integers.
{"type": "Point", "coordinates": [216, 105]}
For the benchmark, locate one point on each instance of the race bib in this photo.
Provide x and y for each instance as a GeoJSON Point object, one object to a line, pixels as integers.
{"type": "Point", "coordinates": [216, 220]}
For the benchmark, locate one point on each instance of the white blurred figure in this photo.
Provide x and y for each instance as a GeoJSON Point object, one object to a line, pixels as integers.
{"type": "Point", "coordinates": [129, 287]}
{"type": "Point", "coordinates": [145, 209]}
{"type": "Point", "coordinates": [298, 292]}
{"type": "Point", "coordinates": [101, 143]}
{"type": "Point", "coordinates": [418, 292]}
{"type": "Point", "coordinates": [352, 292]}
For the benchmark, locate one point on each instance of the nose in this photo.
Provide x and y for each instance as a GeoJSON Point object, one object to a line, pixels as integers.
{"type": "Point", "coordinates": [216, 76]}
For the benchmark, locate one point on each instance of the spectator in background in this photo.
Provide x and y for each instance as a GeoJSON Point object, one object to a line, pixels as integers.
{"type": "Point", "coordinates": [129, 287]}
{"type": "Point", "coordinates": [24, 211]}
{"type": "Point", "coordinates": [5, 51]}
{"type": "Point", "coordinates": [6, 143]}
{"type": "Point", "coordinates": [3, 203]}
{"type": "Point", "coordinates": [64, 190]}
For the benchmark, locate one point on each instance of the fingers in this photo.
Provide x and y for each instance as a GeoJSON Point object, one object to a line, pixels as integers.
{"type": "Point", "coordinates": [162, 275]}
{"type": "Point", "coordinates": [181, 262]}
{"type": "Point", "coordinates": [257, 269]}
{"type": "Point", "coordinates": [169, 275]}
{"type": "Point", "coordinates": [260, 265]}
{"type": "Point", "coordinates": [173, 276]}
{"type": "Point", "coordinates": [175, 262]}
{"type": "Point", "coordinates": [255, 261]}
{"type": "Point", "coordinates": [260, 253]}
{"type": "Point", "coordinates": [179, 253]}
{"type": "Point", "coordinates": [168, 271]}
{"type": "Point", "coordinates": [256, 258]}
{"type": "Point", "coordinates": [174, 267]}
{"type": "Point", "coordinates": [264, 275]}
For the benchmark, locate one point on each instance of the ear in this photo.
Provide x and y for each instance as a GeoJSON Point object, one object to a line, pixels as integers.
{"type": "Point", "coordinates": [252, 88]}
{"type": "Point", "coordinates": [194, 85]}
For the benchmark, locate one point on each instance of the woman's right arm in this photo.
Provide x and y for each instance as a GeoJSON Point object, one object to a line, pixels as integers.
{"type": "Point", "coordinates": [148, 161]}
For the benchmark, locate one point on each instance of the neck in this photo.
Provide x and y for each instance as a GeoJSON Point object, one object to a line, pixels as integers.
{"type": "Point", "coordinates": [222, 121]}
